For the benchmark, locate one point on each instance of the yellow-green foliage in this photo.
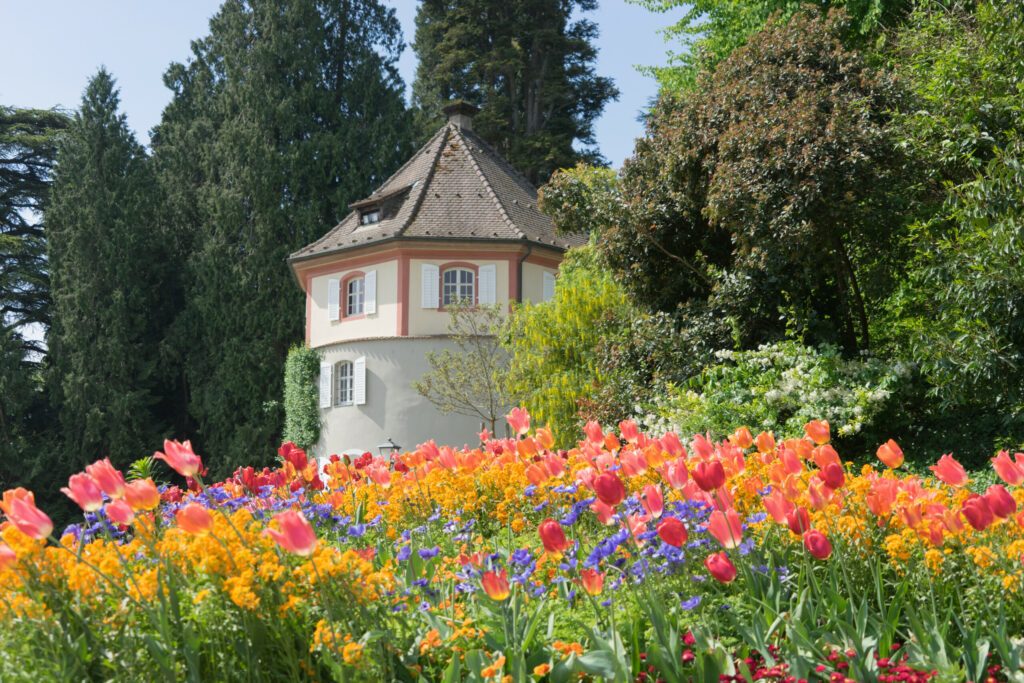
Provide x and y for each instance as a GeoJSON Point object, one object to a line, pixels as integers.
{"type": "Point", "coordinates": [553, 344]}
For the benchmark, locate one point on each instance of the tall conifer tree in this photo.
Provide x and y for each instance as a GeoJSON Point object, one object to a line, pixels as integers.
{"type": "Point", "coordinates": [108, 267]}
{"type": "Point", "coordinates": [286, 112]}
{"type": "Point", "coordinates": [527, 64]}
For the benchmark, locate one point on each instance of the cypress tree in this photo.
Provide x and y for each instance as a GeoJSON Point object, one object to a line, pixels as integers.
{"type": "Point", "coordinates": [529, 66]}
{"type": "Point", "coordinates": [286, 112]}
{"type": "Point", "coordinates": [108, 266]}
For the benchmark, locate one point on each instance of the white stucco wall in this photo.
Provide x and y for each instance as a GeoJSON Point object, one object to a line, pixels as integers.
{"type": "Point", "coordinates": [431, 321]}
{"type": "Point", "coordinates": [533, 281]}
{"type": "Point", "coordinates": [393, 409]}
{"type": "Point", "coordinates": [383, 323]}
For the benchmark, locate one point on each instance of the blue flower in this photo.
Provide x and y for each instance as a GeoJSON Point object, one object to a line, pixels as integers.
{"type": "Point", "coordinates": [429, 553]}
{"type": "Point", "coordinates": [521, 557]}
{"type": "Point", "coordinates": [691, 603]}
{"type": "Point", "coordinates": [357, 530]}
{"type": "Point", "coordinates": [404, 553]}
{"type": "Point", "coordinates": [530, 490]}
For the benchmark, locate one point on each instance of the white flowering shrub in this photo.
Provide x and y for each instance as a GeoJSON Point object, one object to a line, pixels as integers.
{"type": "Point", "coordinates": [779, 387]}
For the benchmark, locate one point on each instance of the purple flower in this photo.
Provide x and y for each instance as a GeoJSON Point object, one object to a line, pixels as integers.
{"type": "Point", "coordinates": [404, 552]}
{"type": "Point", "coordinates": [691, 603]}
{"type": "Point", "coordinates": [429, 553]}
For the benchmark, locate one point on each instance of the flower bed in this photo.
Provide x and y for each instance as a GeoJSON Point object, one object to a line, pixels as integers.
{"type": "Point", "coordinates": [627, 558]}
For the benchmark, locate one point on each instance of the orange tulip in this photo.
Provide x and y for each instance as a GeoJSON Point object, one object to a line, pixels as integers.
{"type": "Point", "coordinates": [194, 518]}
{"type": "Point", "coordinates": [108, 477]}
{"type": "Point", "coordinates": [592, 580]}
{"type": "Point", "coordinates": [765, 442]}
{"type": "Point", "coordinates": [496, 585]}
{"type": "Point", "coordinates": [545, 438]}
{"type": "Point", "coordinates": [891, 454]}
{"type": "Point", "coordinates": [727, 528]}
{"type": "Point", "coordinates": [120, 512]}
{"type": "Point", "coordinates": [949, 471]}
{"type": "Point", "coordinates": [818, 431]}
{"type": "Point", "coordinates": [720, 567]}
{"type": "Point", "coordinates": [142, 494]}
{"type": "Point", "coordinates": [180, 457]}
{"type": "Point", "coordinates": [742, 438]}
{"type": "Point", "coordinates": [84, 490]}
{"type": "Point", "coordinates": [817, 544]}
{"type": "Point", "coordinates": [296, 535]}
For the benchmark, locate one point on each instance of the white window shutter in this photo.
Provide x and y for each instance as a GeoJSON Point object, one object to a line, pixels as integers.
{"type": "Point", "coordinates": [359, 381]}
{"type": "Point", "coordinates": [326, 384]}
{"type": "Point", "coordinates": [549, 286]}
{"type": "Point", "coordinates": [430, 286]}
{"type": "Point", "coordinates": [333, 298]}
{"type": "Point", "coordinates": [488, 284]}
{"type": "Point", "coordinates": [370, 292]}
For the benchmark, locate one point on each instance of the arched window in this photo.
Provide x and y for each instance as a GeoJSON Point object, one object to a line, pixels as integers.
{"type": "Point", "coordinates": [343, 383]}
{"type": "Point", "coordinates": [458, 284]}
{"type": "Point", "coordinates": [355, 296]}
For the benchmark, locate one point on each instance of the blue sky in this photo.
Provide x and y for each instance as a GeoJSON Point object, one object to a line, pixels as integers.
{"type": "Point", "coordinates": [62, 42]}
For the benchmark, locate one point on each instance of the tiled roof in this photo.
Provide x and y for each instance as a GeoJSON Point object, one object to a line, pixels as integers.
{"type": "Point", "coordinates": [456, 187]}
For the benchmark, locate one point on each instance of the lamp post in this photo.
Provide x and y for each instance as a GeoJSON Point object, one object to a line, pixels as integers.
{"type": "Point", "coordinates": [389, 447]}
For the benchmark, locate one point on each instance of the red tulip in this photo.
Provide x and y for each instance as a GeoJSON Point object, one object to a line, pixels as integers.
{"type": "Point", "coordinates": [672, 531]}
{"type": "Point", "coordinates": [818, 431]}
{"type": "Point", "coordinates": [799, 521]}
{"type": "Point", "coordinates": [1000, 501]}
{"type": "Point", "coordinates": [194, 518]}
{"type": "Point", "coordinates": [653, 501]}
{"type": "Point", "coordinates": [978, 513]}
{"type": "Point", "coordinates": [296, 535]}
{"type": "Point", "coordinates": [84, 490]}
{"type": "Point", "coordinates": [708, 475]}
{"type": "Point", "coordinates": [592, 580]}
{"type": "Point", "coordinates": [7, 556]}
{"type": "Point", "coordinates": [1008, 470]}
{"type": "Point", "coordinates": [833, 475]}
{"type": "Point", "coordinates": [519, 421]}
{"type": "Point", "coordinates": [120, 512]}
{"type": "Point", "coordinates": [496, 585]}
{"type": "Point", "coordinates": [20, 506]}
{"type": "Point", "coordinates": [950, 471]}
{"type": "Point", "coordinates": [609, 489]}
{"type": "Point", "coordinates": [720, 567]}
{"type": "Point", "coordinates": [727, 528]}
{"type": "Point", "coordinates": [890, 454]}
{"type": "Point", "coordinates": [142, 494]}
{"type": "Point", "coordinates": [552, 536]}
{"type": "Point", "coordinates": [180, 457]}
{"type": "Point", "coordinates": [817, 544]}
{"type": "Point", "coordinates": [108, 477]}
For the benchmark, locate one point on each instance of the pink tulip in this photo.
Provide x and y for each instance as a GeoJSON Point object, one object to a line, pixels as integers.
{"type": "Point", "coordinates": [777, 505]}
{"type": "Point", "coordinates": [629, 431]}
{"type": "Point", "coordinates": [675, 474]}
{"type": "Point", "coordinates": [652, 501]}
{"type": "Point", "coordinates": [180, 457]}
{"type": "Point", "coordinates": [108, 477]}
{"type": "Point", "coordinates": [833, 475]}
{"type": "Point", "coordinates": [727, 528]}
{"type": "Point", "coordinates": [1009, 471]}
{"type": "Point", "coordinates": [891, 454]}
{"type": "Point", "coordinates": [949, 471]}
{"type": "Point", "coordinates": [519, 421]}
{"type": "Point", "coordinates": [720, 567]}
{"type": "Point", "coordinates": [296, 534]}
{"type": "Point", "coordinates": [26, 517]}
{"type": "Point", "coordinates": [818, 430]}
{"type": "Point", "coordinates": [603, 511]}
{"type": "Point", "coordinates": [84, 490]}
{"type": "Point", "coordinates": [1000, 501]}
{"type": "Point", "coordinates": [592, 430]}
{"type": "Point", "coordinates": [120, 512]}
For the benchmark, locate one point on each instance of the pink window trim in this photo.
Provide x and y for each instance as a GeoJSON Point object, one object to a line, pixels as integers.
{"type": "Point", "coordinates": [463, 265]}
{"type": "Point", "coordinates": [343, 296]}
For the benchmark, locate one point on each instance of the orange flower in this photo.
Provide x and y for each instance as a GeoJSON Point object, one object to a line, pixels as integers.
{"type": "Point", "coordinates": [108, 477]}
{"type": "Point", "coordinates": [742, 438]}
{"type": "Point", "coordinates": [891, 454]}
{"type": "Point", "coordinates": [180, 457]}
{"type": "Point", "coordinates": [194, 518]}
{"type": "Point", "coordinates": [496, 585]}
{"type": "Point", "coordinates": [818, 431]}
{"type": "Point", "coordinates": [592, 580]}
{"type": "Point", "coordinates": [765, 442]}
{"type": "Point", "coordinates": [296, 534]}
{"type": "Point", "coordinates": [949, 471]}
{"type": "Point", "coordinates": [84, 490]}
{"type": "Point", "coordinates": [20, 506]}
{"type": "Point", "coordinates": [142, 494]}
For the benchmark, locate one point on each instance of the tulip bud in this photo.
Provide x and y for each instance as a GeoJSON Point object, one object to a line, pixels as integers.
{"type": "Point", "coordinates": [552, 536]}
{"type": "Point", "coordinates": [720, 567]}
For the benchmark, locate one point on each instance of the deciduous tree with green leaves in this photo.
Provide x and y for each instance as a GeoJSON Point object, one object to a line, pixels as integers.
{"type": "Point", "coordinates": [529, 65]}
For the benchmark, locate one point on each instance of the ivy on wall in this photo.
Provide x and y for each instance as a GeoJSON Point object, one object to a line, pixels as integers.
{"type": "Point", "coordinates": [301, 404]}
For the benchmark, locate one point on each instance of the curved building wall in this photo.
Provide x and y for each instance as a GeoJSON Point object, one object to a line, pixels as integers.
{"type": "Point", "coordinates": [393, 409]}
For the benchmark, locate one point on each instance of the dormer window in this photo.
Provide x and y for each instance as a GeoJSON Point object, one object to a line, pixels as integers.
{"type": "Point", "coordinates": [370, 216]}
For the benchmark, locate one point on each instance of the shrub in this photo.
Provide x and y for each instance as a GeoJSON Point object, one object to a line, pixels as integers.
{"type": "Point", "coordinates": [301, 405]}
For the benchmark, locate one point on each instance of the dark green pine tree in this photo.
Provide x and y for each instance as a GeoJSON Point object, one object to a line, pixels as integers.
{"type": "Point", "coordinates": [529, 66]}
{"type": "Point", "coordinates": [108, 267]}
{"type": "Point", "coordinates": [286, 113]}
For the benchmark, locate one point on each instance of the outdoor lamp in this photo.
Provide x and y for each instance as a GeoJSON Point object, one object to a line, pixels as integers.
{"type": "Point", "coordinates": [389, 447]}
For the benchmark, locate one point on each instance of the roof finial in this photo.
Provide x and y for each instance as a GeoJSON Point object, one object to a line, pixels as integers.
{"type": "Point", "coordinates": [461, 113]}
